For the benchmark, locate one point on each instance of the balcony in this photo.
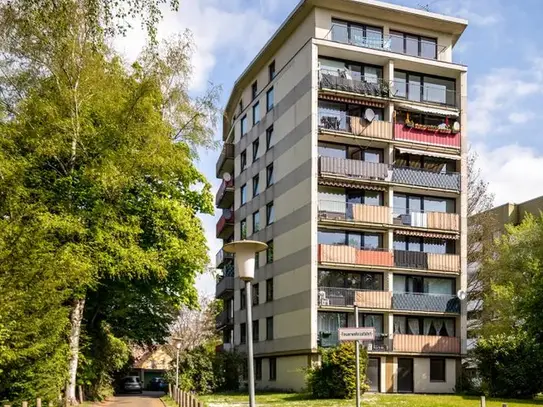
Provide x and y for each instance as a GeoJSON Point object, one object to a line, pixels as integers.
{"type": "Point", "coordinates": [343, 254]}
{"type": "Point", "coordinates": [331, 339]}
{"type": "Point", "coordinates": [357, 126]}
{"type": "Point", "coordinates": [225, 195]}
{"type": "Point", "coordinates": [426, 302]}
{"type": "Point", "coordinates": [222, 257]}
{"type": "Point", "coordinates": [353, 212]}
{"type": "Point", "coordinates": [427, 93]}
{"type": "Point", "coordinates": [391, 43]}
{"type": "Point", "coordinates": [427, 261]}
{"type": "Point", "coordinates": [348, 297]}
{"type": "Point", "coordinates": [426, 344]}
{"type": "Point", "coordinates": [224, 319]}
{"type": "Point", "coordinates": [225, 163]}
{"type": "Point", "coordinates": [426, 178]}
{"type": "Point", "coordinates": [353, 82]}
{"type": "Point", "coordinates": [426, 135]}
{"type": "Point", "coordinates": [225, 225]}
{"type": "Point", "coordinates": [357, 169]}
{"type": "Point", "coordinates": [224, 285]}
{"type": "Point", "coordinates": [426, 220]}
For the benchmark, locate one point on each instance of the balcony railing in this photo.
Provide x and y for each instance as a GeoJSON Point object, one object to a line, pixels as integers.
{"type": "Point", "coordinates": [427, 220]}
{"type": "Point", "coordinates": [224, 318]}
{"type": "Point", "coordinates": [221, 257]}
{"type": "Point", "coordinates": [358, 126]}
{"type": "Point", "coordinates": [345, 80]}
{"type": "Point", "coordinates": [426, 178]}
{"type": "Point", "coordinates": [225, 225]}
{"type": "Point", "coordinates": [344, 254]}
{"type": "Point", "coordinates": [353, 212]}
{"type": "Point", "coordinates": [225, 194]}
{"type": "Point", "coordinates": [425, 344]}
{"type": "Point", "coordinates": [348, 297]}
{"type": "Point", "coordinates": [393, 43]}
{"type": "Point", "coordinates": [438, 137]}
{"type": "Point", "coordinates": [426, 302]}
{"type": "Point", "coordinates": [225, 284]}
{"type": "Point", "coordinates": [424, 93]}
{"type": "Point", "coordinates": [329, 339]}
{"type": "Point", "coordinates": [427, 261]}
{"type": "Point", "coordinates": [225, 163]}
{"type": "Point", "coordinates": [354, 168]}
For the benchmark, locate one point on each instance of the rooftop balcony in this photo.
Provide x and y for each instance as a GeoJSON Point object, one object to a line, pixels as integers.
{"type": "Point", "coordinates": [352, 212]}
{"type": "Point", "coordinates": [225, 195]}
{"type": "Point", "coordinates": [426, 220]}
{"type": "Point", "coordinates": [353, 82]}
{"type": "Point", "coordinates": [338, 122]}
{"type": "Point", "coordinates": [222, 257]}
{"type": "Point", "coordinates": [225, 224]}
{"type": "Point", "coordinates": [427, 261]}
{"type": "Point", "coordinates": [427, 135]}
{"type": "Point", "coordinates": [225, 163]}
{"type": "Point", "coordinates": [426, 178]}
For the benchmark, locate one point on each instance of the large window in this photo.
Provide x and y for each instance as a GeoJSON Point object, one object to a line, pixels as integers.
{"type": "Point", "coordinates": [433, 164]}
{"type": "Point", "coordinates": [351, 70]}
{"type": "Point", "coordinates": [427, 285]}
{"type": "Point", "coordinates": [437, 370]}
{"type": "Point", "coordinates": [432, 326]}
{"type": "Point", "coordinates": [426, 245]}
{"type": "Point", "coordinates": [422, 88]}
{"type": "Point", "coordinates": [357, 34]}
{"type": "Point", "coordinates": [413, 45]}
{"type": "Point", "coordinates": [406, 204]}
{"type": "Point", "coordinates": [347, 117]}
{"type": "Point", "coordinates": [341, 279]}
{"type": "Point", "coordinates": [357, 240]}
{"type": "Point", "coordinates": [332, 321]}
{"type": "Point", "coordinates": [366, 197]}
{"type": "Point", "coordinates": [373, 155]}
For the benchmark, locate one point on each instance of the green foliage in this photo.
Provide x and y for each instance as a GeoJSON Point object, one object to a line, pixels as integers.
{"type": "Point", "coordinates": [509, 365]}
{"type": "Point", "coordinates": [336, 375]}
{"type": "Point", "coordinates": [228, 370]}
{"type": "Point", "coordinates": [196, 369]}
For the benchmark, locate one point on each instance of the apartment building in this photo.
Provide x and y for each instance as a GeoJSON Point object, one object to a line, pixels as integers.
{"type": "Point", "coordinates": [345, 151]}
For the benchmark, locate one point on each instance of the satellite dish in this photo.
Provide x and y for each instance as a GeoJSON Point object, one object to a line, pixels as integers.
{"type": "Point", "coordinates": [456, 126]}
{"type": "Point", "coordinates": [369, 114]}
{"type": "Point", "coordinates": [226, 177]}
{"type": "Point", "coordinates": [322, 294]}
{"type": "Point", "coordinates": [227, 213]}
{"type": "Point", "coordinates": [461, 294]}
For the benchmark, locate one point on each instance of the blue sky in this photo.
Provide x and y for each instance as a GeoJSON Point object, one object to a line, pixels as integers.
{"type": "Point", "coordinates": [502, 47]}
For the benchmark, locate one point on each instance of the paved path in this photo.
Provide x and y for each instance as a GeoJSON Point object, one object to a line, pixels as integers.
{"type": "Point", "coordinates": [147, 399]}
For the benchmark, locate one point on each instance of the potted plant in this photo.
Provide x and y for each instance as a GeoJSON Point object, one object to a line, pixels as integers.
{"type": "Point", "coordinates": [445, 130]}
{"type": "Point", "coordinates": [420, 126]}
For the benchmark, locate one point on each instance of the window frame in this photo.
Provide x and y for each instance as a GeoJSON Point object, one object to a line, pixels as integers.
{"type": "Point", "coordinates": [243, 126]}
{"type": "Point", "coordinates": [269, 288]}
{"type": "Point", "coordinates": [258, 369]}
{"type": "Point", "coordinates": [256, 143]}
{"type": "Point", "coordinates": [269, 136]}
{"type": "Point", "coordinates": [256, 108]}
{"type": "Point", "coordinates": [254, 90]}
{"type": "Point", "coordinates": [361, 26]}
{"type": "Point", "coordinates": [270, 179]}
{"type": "Point", "coordinates": [243, 333]}
{"type": "Point", "coordinates": [272, 369]}
{"type": "Point", "coordinates": [243, 229]}
{"type": "Point", "coordinates": [442, 373]}
{"type": "Point", "coordinates": [268, 93]}
{"type": "Point", "coordinates": [422, 76]}
{"type": "Point", "coordinates": [269, 252]}
{"type": "Point", "coordinates": [256, 185]}
{"type": "Point", "coordinates": [404, 35]}
{"type": "Point", "coordinates": [269, 332]}
{"type": "Point", "coordinates": [242, 298]}
{"type": "Point", "coordinates": [256, 225]}
{"type": "Point", "coordinates": [256, 330]}
{"type": "Point", "coordinates": [270, 213]}
{"type": "Point", "coordinates": [255, 293]}
{"type": "Point", "coordinates": [243, 194]}
{"type": "Point", "coordinates": [271, 71]}
{"type": "Point", "coordinates": [243, 160]}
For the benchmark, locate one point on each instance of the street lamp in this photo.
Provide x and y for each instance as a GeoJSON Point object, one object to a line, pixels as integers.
{"type": "Point", "coordinates": [245, 251]}
{"type": "Point", "coordinates": [178, 346]}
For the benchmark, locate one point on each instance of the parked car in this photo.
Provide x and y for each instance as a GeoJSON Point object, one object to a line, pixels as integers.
{"type": "Point", "coordinates": [131, 384]}
{"type": "Point", "coordinates": [158, 384]}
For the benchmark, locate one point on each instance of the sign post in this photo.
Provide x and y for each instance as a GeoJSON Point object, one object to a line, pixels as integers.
{"type": "Point", "coordinates": [356, 334]}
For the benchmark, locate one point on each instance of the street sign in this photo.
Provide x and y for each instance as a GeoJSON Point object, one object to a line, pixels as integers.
{"type": "Point", "coordinates": [356, 334]}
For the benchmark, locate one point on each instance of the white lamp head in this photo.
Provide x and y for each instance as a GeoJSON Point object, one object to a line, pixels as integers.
{"type": "Point", "coordinates": [178, 345]}
{"type": "Point", "coordinates": [245, 251]}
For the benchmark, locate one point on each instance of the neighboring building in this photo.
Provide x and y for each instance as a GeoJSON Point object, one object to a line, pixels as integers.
{"type": "Point", "coordinates": [346, 145]}
{"type": "Point", "coordinates": [153, 363]}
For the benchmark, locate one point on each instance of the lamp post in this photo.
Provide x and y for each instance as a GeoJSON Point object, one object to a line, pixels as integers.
{"type": "Point", "coordinates": [178, 346]}
{"type": "Point", "coordinates": [245, 251]}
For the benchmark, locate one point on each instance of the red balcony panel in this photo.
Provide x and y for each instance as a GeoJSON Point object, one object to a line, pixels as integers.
{"type": "Point", "coordinates": [402, 132]}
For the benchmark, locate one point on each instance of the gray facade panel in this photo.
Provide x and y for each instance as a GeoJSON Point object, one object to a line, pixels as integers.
{"type": "Point", "coordinates": [280, 306]}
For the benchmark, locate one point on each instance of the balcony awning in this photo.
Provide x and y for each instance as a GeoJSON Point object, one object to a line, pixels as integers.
{"type": "Point", "coordinates": [429, 153]}
{"type": "Point", "coordinates": [425, 109]}
{"type": "Point", "coordinates": [343, 184]}
{"type": "Point", "coordinates": [423, 233]}
{"type": "Point", "coordinates": [344, 99]}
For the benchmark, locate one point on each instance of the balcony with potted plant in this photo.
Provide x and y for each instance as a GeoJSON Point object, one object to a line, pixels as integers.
{"type": "Point", "coordinates": [425, 129]}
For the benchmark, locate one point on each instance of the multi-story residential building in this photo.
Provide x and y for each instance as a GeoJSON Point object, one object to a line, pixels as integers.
{"type": "Point", "coordinates": [345, 142]}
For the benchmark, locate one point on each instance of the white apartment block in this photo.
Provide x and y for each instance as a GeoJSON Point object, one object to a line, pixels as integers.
{"type": "Point", "coordinates": [345, 151]}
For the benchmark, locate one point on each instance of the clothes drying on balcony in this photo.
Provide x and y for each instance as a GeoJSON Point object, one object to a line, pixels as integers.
{"type": "Point", "coordinates": [419, 219]}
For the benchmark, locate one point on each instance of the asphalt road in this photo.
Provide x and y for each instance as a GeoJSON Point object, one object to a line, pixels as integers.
{"type": "Point", "coordinates": [147, 399]}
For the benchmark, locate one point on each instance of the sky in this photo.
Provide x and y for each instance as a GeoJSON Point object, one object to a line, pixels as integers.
{"type": "Point", "coordinates": [502, 47]}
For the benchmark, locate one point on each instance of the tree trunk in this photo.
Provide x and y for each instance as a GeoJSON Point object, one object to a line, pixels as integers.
{"type": "Point", "coordinates": [75, 319]}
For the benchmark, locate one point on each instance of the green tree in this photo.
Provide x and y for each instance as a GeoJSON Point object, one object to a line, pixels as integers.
{"type": "Point", "coordinates": [97, 168]}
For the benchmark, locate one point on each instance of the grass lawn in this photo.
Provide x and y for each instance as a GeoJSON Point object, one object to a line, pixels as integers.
{"type": "Point", "coordinates": [373, 400]}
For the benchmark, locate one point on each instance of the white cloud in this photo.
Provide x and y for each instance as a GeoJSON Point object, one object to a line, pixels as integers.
{"type": "Point", "coordinates": [520, 117]}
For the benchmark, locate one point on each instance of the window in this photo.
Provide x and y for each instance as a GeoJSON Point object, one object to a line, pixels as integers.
{"type": "Point", "coordinates": [269, 328]}
{"type": "Point", "coordinates": [256, 333]}
{"type": "Point", "coordinates": [256, 221]}
{"type": "Point", "coordinates": [406, 204]}
{"type": "Point", "coordinates": [269, 252]}
{"type": "Point", "coordinates": [243, 332]}
{"type": "Point", "coordinates": [357, 34]}
{"type": "Point", "coordinates": [256, 180]}
{"type": "Point", "coordinates": [271, 71]}
{"type": "Point", "coordinates": [243, 160]}
{"type": "Point", "coordinates": [420, 284]}
{"type": "Point", "coordinates": [258, 368]}
{"type": "Point", "coordinates": [424, 326]}
{"type": "Point", "coordinates": [269, 99]}
{"type": "Point", "coordinates": [269, 138]}
{"type": "Point", "coordinates": [422, 88]}
{"type": "Point", "coordinates": [253, 90]}
{"type": "Point", "coordinates": [270, 214]}
{"type": "Point", "coordinates": [243, 229]}
{"type": "Point", "coordinates": [269, 289]}
{"type": "Point", "coordinates": [366, 197]}
{"type": "Point", "coordinates": [256, 113]}
{"type": "Point", "coordinates": [257, 260]}
{"type": "Point", "coordinates": [426, 245]}
{"type": "Point", "coordinates": [243, 194]}
{"type": "Point", "coordinates": [360, 281]}
{"type": "Point", "coordinates": [353, 71]}
{"type": "Point", "coordinates": [269, 175]}
{"type": "Point", "coordinates": [242, 298]}
{"type": "Point", "coordinates": [438, 165]}
{"type": "Point", "coordinates": [240, 106]}
{"type": "Point", "coordinates": [244, 127]}
{"type": "Point", "coordinates": [256, 144]}
{"type": "Point", "coordinates": [437, 370]}
{"type": "Point", "coordinates": [413, 45]}
{"type": "Point", "coordinates": [256, 294]}
{"type": "Point", "coordinates": [354, 239]}
{"type": "Point", "coordinates": [273, 369]}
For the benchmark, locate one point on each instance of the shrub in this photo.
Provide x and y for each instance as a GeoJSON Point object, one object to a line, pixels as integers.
{"type": "Point", "coordinates": [227, 368]}
{"type": "Point", "coordinates": [336, 375]}
{"type": "Point", "coordinates": [509, 365]}
{"type": "Point", "coordinates": [196, 369]}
